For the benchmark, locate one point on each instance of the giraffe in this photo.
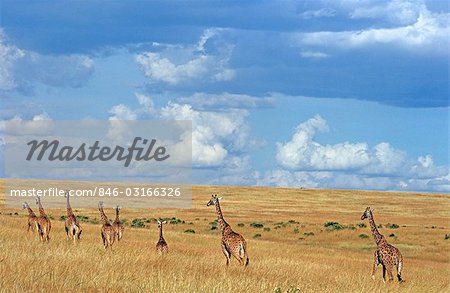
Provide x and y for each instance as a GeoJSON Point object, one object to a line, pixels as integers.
{"type": "Point", "coordinates": [117, 225]}
{"type": "Point", "coordinates": [32, 218]}
{"type": "Point", "coordinates": [386, 254]}
{"type": "Point", "coordinates": [161, 245]}
{"type": "Point", "coordinates": [43, 222]}
{"type": "Point", "coordinates": [232, 243]}
{"type": "Point", "coordinates": [72, 227]}
{"type": "Point", "coordinates": [108, 234]}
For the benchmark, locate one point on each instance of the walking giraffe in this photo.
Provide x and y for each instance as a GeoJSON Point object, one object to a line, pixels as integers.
{"type": "Point", "coordinates": [232, 243]}
{"type": "Point", "coordinates": [161, 245]}
{"type": "Point", "coordinates": [107, 233]}
{"type": "Point", "coordinates": [386, 254]}
{"type": "Point", "coordinates": [32, 218]}
{"type": "Point", "coordinates": [43, 222]}
{"type": "Point", "coordinates": [117, 225]}
{"type": "Point", "coordinates": [73, 228]}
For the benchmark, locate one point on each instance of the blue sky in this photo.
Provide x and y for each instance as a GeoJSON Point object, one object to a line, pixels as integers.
{"type": "Point", "coordinates": [328, 94]}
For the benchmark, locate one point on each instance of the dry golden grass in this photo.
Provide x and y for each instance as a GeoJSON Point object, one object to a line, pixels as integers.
{"type": "Point", "coordinates": [285, 258]}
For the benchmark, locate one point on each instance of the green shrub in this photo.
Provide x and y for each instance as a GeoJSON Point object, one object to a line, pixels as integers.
{"type": "Point", "coordinates": [256, 225]}
{"type": "Point", "coordinates": [447, 236]}
{"type": "Point", "coordinates": [296, 230]}
{"type": "Point", "coordinates": [362, 225]}
{"type": "Point", "coordinates": [267, 229]}
{"type": "Point", "coordinates": [333, 226]}
{"type": "Point", "coordinates": [63, 218]}
{"type": "Point", "coordinates": [214, 224]}
{"type": "Point", "coordinates": [293, 222]}
{"type": "Point", "coordinates": [176, 221]}
{"type": "Point", "coordinates": [308, 234]}
{"type": "Point", "coordinates": [83, 218]}
{"type": "Point", "coordinates": [392, 226]}
{"type": "Point", "coordinates": [257, 236]}
{"type": "Point", "coordinates": [392, 235]}
{"type": "Point", "coordinates": [241, 225]}
{"type": "Point", "coordinates": [137, 223]}
{"type": "Point", "coordinates": [189, 231]}
{"type": "Point", "coordinates": [363, 236]}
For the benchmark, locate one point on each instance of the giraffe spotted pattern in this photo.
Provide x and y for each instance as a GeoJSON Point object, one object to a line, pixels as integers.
{"type": "Point", "coordinates": [386, 254]}
{"type": "Point", "coordinates": [233, 244]}
{"type": "Point", "coordinates": [161, 245]}
{"type": "Point", "coordinates": [71, 224]}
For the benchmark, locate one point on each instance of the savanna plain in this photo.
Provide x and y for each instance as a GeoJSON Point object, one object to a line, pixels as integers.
{"type": "Point", "coordinates": [299, 240]}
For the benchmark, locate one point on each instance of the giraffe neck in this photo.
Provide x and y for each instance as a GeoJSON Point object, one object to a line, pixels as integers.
{"type": "Point", "coordinates": [117, 216]}
{"type": "Point", "coordinates": [30, 212]}
{"type": "Point", "coordinates": [41, 209]}
{"type": "Point", "coordinates": [161, 232]}
{"type": "Point", "coordinates": [222, 223]}
{"type": "Point", "coordinates": [69, 208]}
{"type": "Point", "coordinates": [373, 227]}
{"type": "Point", "coordinates": [103, 216]}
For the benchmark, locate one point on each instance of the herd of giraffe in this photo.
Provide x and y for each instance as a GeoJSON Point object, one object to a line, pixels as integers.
{"type": "Point", "coordinates": [232, 243]}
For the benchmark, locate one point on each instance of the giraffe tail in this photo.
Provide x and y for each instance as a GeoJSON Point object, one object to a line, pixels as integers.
{"type": "Point", "coordinates": [243, 253]}
{"type": "Point", "coordinates": [399, 265]}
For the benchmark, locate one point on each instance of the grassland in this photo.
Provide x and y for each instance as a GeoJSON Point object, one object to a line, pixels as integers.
{"type": "Point", "coordinates": [294, 249]}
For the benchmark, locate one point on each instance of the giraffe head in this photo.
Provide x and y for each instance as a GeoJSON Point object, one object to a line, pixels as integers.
{"type": "Point", "coordinates": [38, 200]}
{"type": "Point", "coordinates": [161, 222]}
{"type": "Point", "coordinates": [25, 205]}
{"type": "Point", "coordinates": [100, 205]}
{"type": "Point", "coordinates": [367, 213]}
{"type": "Point", "coordinates": [117, 208]}
{"type": "Point", "coordinates": [66, 193]}
{"type": "Point", "coordinates": [214, 199]}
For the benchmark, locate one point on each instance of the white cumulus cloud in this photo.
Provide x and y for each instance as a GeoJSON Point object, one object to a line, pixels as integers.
{"type": "Point", "coordinates": [185, 63]}
{"type": "Point", "coordinates": [20, 68]}
{"type": "Point", "coordinates": [214, 134]}
{"type": "Point", "coordinates": [217, 136]}
{"type": "Point", "coordinates": [421, 31]}
{"type": "Point", "coordinates": [302, 152]}
{"type": "Point", "coordinates": [305, 162]}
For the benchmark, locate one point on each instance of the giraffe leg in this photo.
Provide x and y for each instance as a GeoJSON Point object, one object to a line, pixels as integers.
{"type": "Point", "coordinates": [74, 233]}
{"type": "Point", "coordinates": [38, 229]}
{"type": "Point", "coordinates": [44, 235]}
{"type": "Point", "coordinates": [103, 239]}
{"type": "Point", "coordinates": [111, 242]}
{"type": "Point", "coordinates": [226, 253]}
{"type": "Point", "coordinates": [399, 266]}
{"type": "Point", "coordinates": [243, 254]}
{"type": "Point", "coordinates": [389, 271]}
{"type": "Point", "coordinates": [384, 274]}
{"type": "Point", "coordinates": [47, 235]}
{"type": "Point", "coordinates": [375, 264]}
